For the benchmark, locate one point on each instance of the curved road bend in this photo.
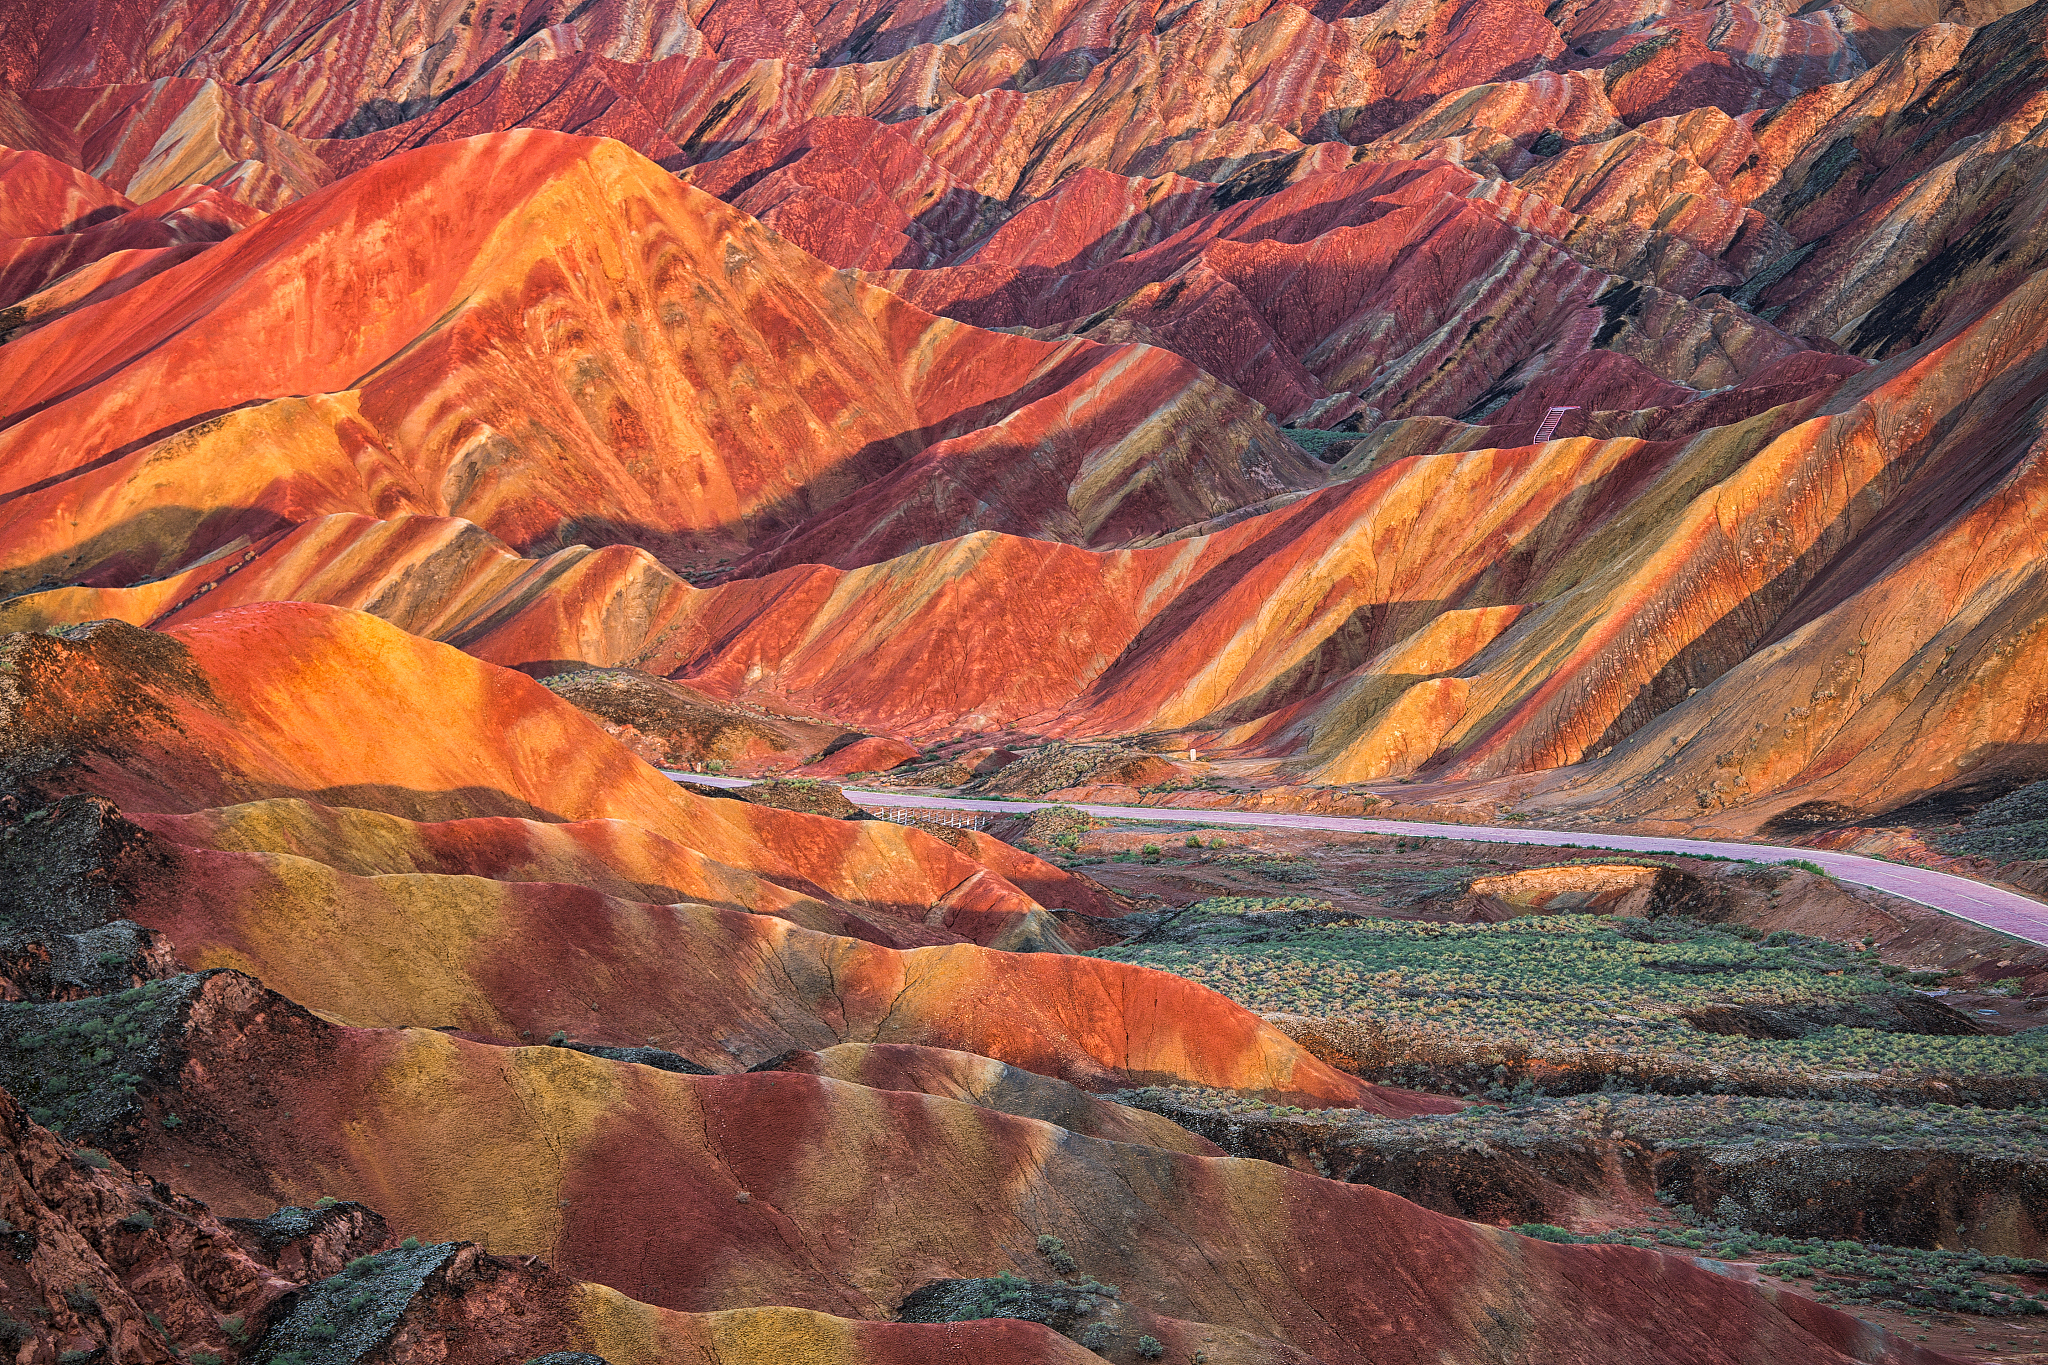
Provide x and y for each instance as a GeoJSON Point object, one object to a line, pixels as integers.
{"type": "Point", "coordinates": [1994, 907]}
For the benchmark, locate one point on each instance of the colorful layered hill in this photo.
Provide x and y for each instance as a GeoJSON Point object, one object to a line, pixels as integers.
{"type": "Point", "coordinates": [754, 1198]}
{"type": "Point", "coordinates": [558, 876]}
{"type": "Point", "coordinates": [1624, 409]}
{"type": "Point", "coordinates": [946, 369]}
{"type": "Point", "coordinates": [1860, 575]}
{"type": "Point", "coordinates": [538, 380]}
{"type": "Point", "coordinates": [497, 980]}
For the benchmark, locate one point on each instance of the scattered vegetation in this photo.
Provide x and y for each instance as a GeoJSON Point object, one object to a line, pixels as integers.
{"type": "Point", "coordinates": [1074, 1307]}
{"type": "Point", "coordinates": [1055, 765]}
{"type": "Point", "coordinates": [1403, 887]}
{"type": "Point", "coordinates": [79, 1066]}
{"type": "Point", "coordinates": [347, 1316]}
{"type": "Point", "coordinates": [805, 794]}
{"type": "Point", "coordinates": [1658, 1122]}
{"type": "Point", "coordinates": [1269, 868]}
{"type": "Point", "coordinates": [1908, 1279]}
{"type": "Point", "coordinates": [1054, 1250]}
{"type": "Point", "coordinates": [2012, 828]}
{"type": "Point", "coordinates": [1643, 1000]}
{"type": "Point", "coordinates": [1059, 827]}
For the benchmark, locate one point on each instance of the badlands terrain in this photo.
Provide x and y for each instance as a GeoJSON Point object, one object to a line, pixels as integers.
{"type": "Point", "coordinates": [435, 432]}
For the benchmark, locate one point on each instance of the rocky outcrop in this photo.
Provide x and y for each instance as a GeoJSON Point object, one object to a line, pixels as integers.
{"type": "Point", "coordinates": [108, 1261]}
{"type": "Point", "coordinates": [1576, 890]}
{"type": "Point", "coordinates": [673, 726]}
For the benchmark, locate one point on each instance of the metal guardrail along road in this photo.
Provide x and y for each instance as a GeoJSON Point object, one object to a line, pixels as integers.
{"type": "Point", "coordinates": [945, 819]}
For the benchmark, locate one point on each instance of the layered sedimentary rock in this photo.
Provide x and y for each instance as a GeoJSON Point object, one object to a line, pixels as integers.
{"type": "Point", "coordinates": [143, 1272]}
{"type": "Point", "coordinates": [68, 240]}
{"type": "Point", "coordinates": [781, 1174]}
{"type": "Point", "coordinates": [1379, 627]}
{"type": "Point", "coordinates": [481, 368]}
{"type": "Point", "coordinates": [762, 377]}
{"type": "Point", "coordinates": [564, 881]}
{"type": "Point", "coordinates": [536, 426]}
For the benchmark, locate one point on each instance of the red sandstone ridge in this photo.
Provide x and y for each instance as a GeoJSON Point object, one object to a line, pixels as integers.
{"type": "Point", "coordinates": [871, 754]}
{"type": "Point", "coordinates": [68, 240]}
{"type": "Point", "coordinates": [1411, 230]}
{"type": "Point", "coordinates": [1627, 409]}
{"type": "Point", "coordinates": [776, 1171]}
{"type": "Point", "coordinates": [229, 741]}
{"type": "Point", "coordinates": [507, 355]}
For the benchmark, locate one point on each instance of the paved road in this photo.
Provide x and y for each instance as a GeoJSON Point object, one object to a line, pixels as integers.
{"type": "Point", "coordinates": [1994, 907]}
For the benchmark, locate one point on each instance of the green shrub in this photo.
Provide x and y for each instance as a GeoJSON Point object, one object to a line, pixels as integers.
{"type": "Point", "coordinates": [1546, 1232]}
{"type": "Point", "coordinates": [1055, 1252]}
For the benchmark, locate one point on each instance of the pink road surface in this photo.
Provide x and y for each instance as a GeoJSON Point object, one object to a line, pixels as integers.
{"type": "Point", "coordinates": [1994, 907]}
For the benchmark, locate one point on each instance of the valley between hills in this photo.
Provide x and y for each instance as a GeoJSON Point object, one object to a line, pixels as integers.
{"type": "Point", "coordinates": [481, 481]}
